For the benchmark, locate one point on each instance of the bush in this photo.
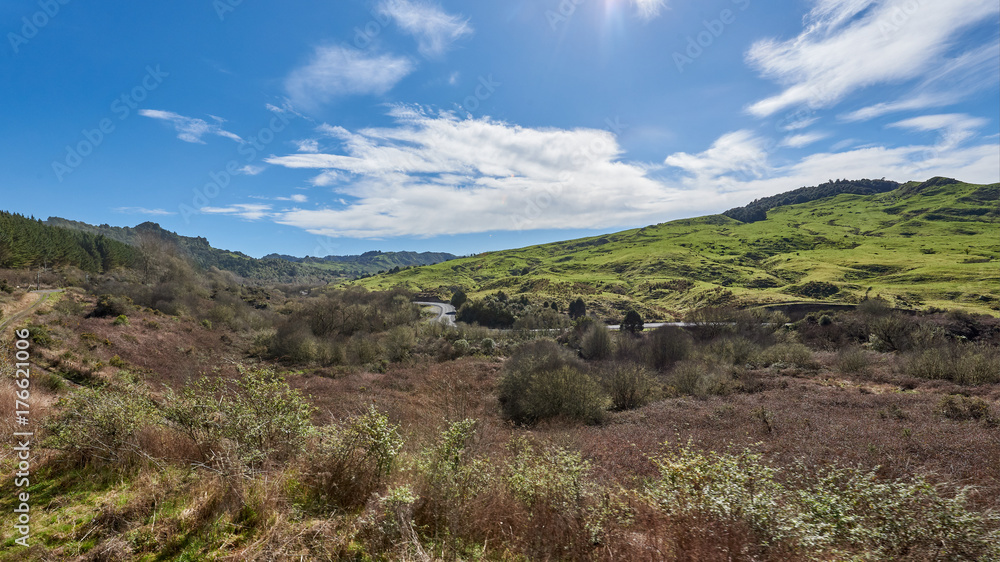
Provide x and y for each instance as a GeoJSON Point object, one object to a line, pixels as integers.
{"type": "Point", "coordinates": [399, 343]}
{"type": "Point", "coordinates": [352, 459]}
{"type": "Point", "coordinates": [632, 323]}
{"type": "Point", "coordinates": [668, 345]}
{"type": "Point", "coordinates": [629, 385]}
{"type": "Point", "coordinates": [787, 354]}
{"type": "Point", "coordinates": [258, 418]}
{"type": "Point", "coordinates": [596, 343]}
{"type": "Point", "coordinates": [971, 364]}
{"type": "Point", "coordinates": [488, 345]}
{"type": "Point", "coordinates": [101, 425]}
{"type": "Point", "coordinates": [734, 350]}
{"type": "Point", "coordinates": [958, 407]}
{"type": "Point", "coordinates": [543, 380]}
{"type": "Point", "coordinates": [852, 359]}
{"type": "Point", "coordinates": [111, 305]}
{"type": "Point", "coordinates": [122, 320]}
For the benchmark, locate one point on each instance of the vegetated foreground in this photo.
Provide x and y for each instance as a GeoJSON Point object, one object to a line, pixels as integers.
{"type": "Point", "coordinates": [184, 416]}
{"type": "Point", "coordinates": [921, 245]}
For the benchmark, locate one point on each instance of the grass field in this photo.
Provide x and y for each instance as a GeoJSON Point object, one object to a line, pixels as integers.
{"type": "Point", "coordinates": [931, 244]}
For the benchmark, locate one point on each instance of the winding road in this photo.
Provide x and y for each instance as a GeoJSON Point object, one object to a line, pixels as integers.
{"type": "Point", "coordinates": [446, 312]}
{"type": "Point", "coordinates": [43, 296]}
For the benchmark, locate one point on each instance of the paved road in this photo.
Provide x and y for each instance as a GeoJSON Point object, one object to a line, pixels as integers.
{"type": "Point", "coordinates": [446, 312]}
{"type": "Point", "coordinates": [42, 297]}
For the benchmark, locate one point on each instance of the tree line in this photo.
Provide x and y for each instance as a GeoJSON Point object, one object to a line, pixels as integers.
{"type": "Point", "coordinates": [757, 210]}
{"type": "Point", "coordinates": [27, 243]}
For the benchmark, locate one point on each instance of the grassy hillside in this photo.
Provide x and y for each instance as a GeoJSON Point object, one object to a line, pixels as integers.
{"type": "Point", "coordinates": [368, 263]}
{"type": "Point", "coordinates": [273, 267]}
{"type": "Point", "coordinates": [923, 244]}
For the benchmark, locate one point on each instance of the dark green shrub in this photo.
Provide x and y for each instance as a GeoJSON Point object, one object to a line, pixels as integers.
{"type": "Point", "coordinates": [632, 323]}
{"type": "Point", "coordinates": [112, 305]}
{"type": "Point", "coordinates": [666, 346]}
{"type": "Point", "coordinates": [544, 380]}
{"type": "Point", "coordinates": [629, 385]}
{"type": "Point", "coordinates": [596, 343]}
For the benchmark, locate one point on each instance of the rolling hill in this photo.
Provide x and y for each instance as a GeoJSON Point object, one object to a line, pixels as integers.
{"type": "Point", "coordinates": [273, 267]}
{"type": "Point", "coordinates": [918, 245]}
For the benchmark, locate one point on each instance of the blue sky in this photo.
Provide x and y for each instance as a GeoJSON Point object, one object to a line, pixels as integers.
{"type": "Point", "coordinates": [336, 127]}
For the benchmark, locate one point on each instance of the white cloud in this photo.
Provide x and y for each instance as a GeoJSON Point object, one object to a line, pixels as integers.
{"type": "Point", "coordinates": [336, 71]}
{"type": "Point", "coordinates": [190, 129]}
{"type": "Point", "coordinates": [961, 77]}
{"type": "Point", "coordinates": [434, 29]}
{"type": "Point", "coordinates": [142, 211]}
{"type": "Point", "coordinates": [735, 152]}
{"type": "Point", "coordinates": [649, 9]}
{"type": "Point", "coordinates": [954, 127]}
{"type": "Point", "coordinates": [804, 139]}
{"type": "Point", "coordinates": [297, 198]}
{"type": "Point", "coordinates": [435, 174]}
{"type": "Point", "coordinates": [852, 44]}
{"type": "Point", "coordinates": [251, 170]}
{"type": "Point", "coordinates": [249, 211]}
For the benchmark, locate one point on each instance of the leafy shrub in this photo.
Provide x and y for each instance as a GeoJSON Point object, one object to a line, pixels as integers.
{"type": "Point", "coordinates": [488, 346]}
{"type": "Point", "coordinates": [892, 332]}
{"type": "Point", "coordinates": [292, 342]}
{"type": "Point", "coordinates": [112, 305]}
{"type": "Point", "coordinates": [399, 343]}
{"type": "Point", "coordinates": [526, 398]}
{"type": "Point", "coordinates": [362, 350]}
{"type": "Point", "coordinates": [544, 380]}
{"type": "Point", "coordinates": [101, 425]}
{"type": "Point", "coordinates": [852, 359]}
{"type": "Point", "coordinates": [734, 350]}
{"type": "Point", "coordinates": [958, 407]}
{"type": "Point", "coordinates": [257, 417]}
{"type": "Point", "coordinates": [784, 354]}
{"type": "Point", "coordinates": [351, 459]}
{"type": "Point", "coordinates": [629, 385]}
{"type": "Point", "coordinates": [668, 345]}
{"type": "Point", "coordinates": [596, 343]}
{"type": "Point", "coordinates": [122, 320]}
{"type": "Point", "coordinates": [461, 347]}
{"type": "Point", "coordinates": [971, 364]}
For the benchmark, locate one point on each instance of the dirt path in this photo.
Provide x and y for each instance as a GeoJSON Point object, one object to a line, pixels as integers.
{"type": "Point", "coordinates": [17, 315]}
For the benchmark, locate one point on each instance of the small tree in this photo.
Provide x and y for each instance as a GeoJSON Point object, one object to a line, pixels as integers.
{"type": "Point", "coordinates": [459, 298]}
{"type": "Point", "coordinates": [577, 309]}
{"type": "Point", "coordinates": [632, 322]}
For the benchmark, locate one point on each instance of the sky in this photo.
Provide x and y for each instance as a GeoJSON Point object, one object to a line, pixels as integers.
{"type": "Point", "coordinates": [342, 126]}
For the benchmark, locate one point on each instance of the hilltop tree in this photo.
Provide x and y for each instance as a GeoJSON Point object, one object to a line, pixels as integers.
{"type": "Point", "coordinates": [577, 309]}
{"type": "Point", "coordinates": [632, 323]}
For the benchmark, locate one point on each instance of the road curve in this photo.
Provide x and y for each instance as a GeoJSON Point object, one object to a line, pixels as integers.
{"type": "Point", "coordinates": [42, 297]}
{"type": "Point", "coordinates": [446, 312]}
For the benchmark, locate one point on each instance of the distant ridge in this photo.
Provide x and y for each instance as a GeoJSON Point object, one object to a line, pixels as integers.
{"type": "Point", "coordinates": [273, 267]}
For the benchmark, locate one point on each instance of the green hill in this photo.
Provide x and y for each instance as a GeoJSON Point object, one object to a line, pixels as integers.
{"type": "Point", "coordinates": [28, 243]}
{"type": "Point", "coordinates": [273, 267]}
{"type": "Point", "coordinates": [926, 244]}
{"type": "Point", "coordinates": [369, 263]}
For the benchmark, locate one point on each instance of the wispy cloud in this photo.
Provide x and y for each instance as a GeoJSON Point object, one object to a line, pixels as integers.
{"type": "Point", "coordinates": [649, 9]}
{"type": "Point", "coordinates": [142, 211]}
{"type": "Point", "coordinates": [251, 170]}
{"type": "Point", "coordinates": [804, 139]}
{"type": "Point", "coordinates": [249, 211]}
{"type": "Point", "coordinates": [434, 29]}
{"type": "Point", "coordinates": [191, 129]}
{"type": "Point", "coordinates": [851, 44]}
{"type": "Point", "coordinates": [736, 152]}
{"type": "Point", "coordinates": [336, 71]}
{"type": "Point", "coordinates": [954, 128]}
